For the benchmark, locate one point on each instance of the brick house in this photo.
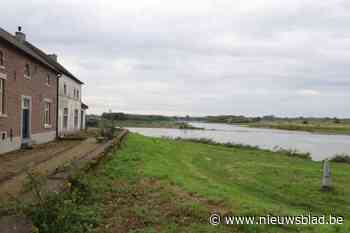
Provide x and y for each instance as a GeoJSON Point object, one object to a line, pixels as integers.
{"type": "Point", "coordinates": [28, 94]}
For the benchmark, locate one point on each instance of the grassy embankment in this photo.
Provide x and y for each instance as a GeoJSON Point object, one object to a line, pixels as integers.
{"type": "Point", "coordinates": [162, 185]}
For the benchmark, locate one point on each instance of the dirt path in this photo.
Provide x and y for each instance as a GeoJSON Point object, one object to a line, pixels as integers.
{"type": "Point", "coordinates": [43, 160]}
{"type": "Point", "coordinates": [13, 163]}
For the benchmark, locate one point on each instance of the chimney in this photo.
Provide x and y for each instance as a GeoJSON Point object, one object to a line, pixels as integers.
{"type": "Point", "coordinates": [53, 57]}
{"type": "Point", "coordinates": [20, 36]}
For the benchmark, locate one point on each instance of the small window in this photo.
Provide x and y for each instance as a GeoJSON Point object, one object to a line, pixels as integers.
{"type": "Point", "coordinates": [74, 93]}
{"type": "Point", "coordinates": [47, 114]}
{"type": "Point", "coordinates": [2, 96]}
{"type": "Point", "coordinates": [65, 118]}
{"type": "Point", "coordinates": [78, 94]}
{"type": "Point", "coordinates": [76, 117]}
{"type": "Point", "coordinates": [27, 71]}
{"type": "Point", "coordinates": [3, 136]}
{"type": "Point", "coordinates": [65, 89]}
{"type": "Point", "coordinates": [48, 80]}
{"type": "Point", "coordinates": [2, 59]}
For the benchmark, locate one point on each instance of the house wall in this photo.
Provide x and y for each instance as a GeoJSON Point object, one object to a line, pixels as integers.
{"type": "Point", "coordinates": [68, 101]}
{"type": "Point", "coordinates": [83, 126]}
{"type": "Point", "coordinates": [16, 86]}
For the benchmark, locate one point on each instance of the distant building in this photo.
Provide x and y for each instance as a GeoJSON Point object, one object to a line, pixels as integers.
{"type": "Point", "coordinates": [28, 94]}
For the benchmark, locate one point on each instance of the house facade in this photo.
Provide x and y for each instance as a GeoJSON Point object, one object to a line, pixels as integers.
{"type": "Point", "coordinates": [71, 110]}
{"type": "Point", "coordinates": [28, 94]}
{"type": "Point", "coordinates": [71, 115]}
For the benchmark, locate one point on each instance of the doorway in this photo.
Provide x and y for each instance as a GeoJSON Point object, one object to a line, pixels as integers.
{"type": "Point", "coordinates": [26, 115]}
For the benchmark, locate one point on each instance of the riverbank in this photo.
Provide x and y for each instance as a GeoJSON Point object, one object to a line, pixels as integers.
{"type": "Point", "coordinates": [163, 185]}
{"type": "Point", "coordinates": [324, 128]}
{"type": "Point", "coordinates": [154, 124]}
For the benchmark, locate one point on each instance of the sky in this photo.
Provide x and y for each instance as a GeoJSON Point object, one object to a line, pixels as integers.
{"type": "Point", "coordinates": [205, 57]}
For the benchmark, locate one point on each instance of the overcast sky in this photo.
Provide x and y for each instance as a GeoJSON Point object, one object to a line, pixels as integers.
{"type": "Point", "coordinates": [251, 57]}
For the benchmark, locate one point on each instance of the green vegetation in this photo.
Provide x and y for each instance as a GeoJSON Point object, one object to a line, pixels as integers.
{"type": "Point", "coordinates": [163, 185]}
{"type": "Point", "coordinates": [342, 158]}
{"type": "Point", "coordinates": [314, 127]}
{"type": "Point", "coordinates": [154, 124]}
{"type": "Point", "coordinates": [231, 119]}
{"type": "Point", "coordinates": [247, 181]}
{"type": "Point", "coordinates": [325, 125]}
{"type": "Point", "coordinates": [317, 125]}
{"type": "Point", "coordinates": [134, 120]}
{"type": "Point", "coordinates": [287, 152]}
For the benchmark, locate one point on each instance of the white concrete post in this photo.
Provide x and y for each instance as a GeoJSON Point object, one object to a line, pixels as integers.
{"type": "Point", "coordinates": [327, 176]}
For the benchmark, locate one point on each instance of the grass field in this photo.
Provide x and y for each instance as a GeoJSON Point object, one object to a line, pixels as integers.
{"type": "Point", "coordinates": [162, 185]}
{"type": "Point", "coordinates": [240, 181]}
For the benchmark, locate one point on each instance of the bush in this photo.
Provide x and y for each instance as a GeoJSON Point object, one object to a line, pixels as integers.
{"type": "Point", "coordinates": [341, 158]}
{"type": "Point", "coordinates": [74, 211]}
{"type": "Point", "coordinates": [293, 153]}
{"type": "Point", "coordinates": [212, 142]}
{"type": "Point", "coordinates": [107, 129]}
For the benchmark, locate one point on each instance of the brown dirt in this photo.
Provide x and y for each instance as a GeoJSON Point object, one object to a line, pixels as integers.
{"type": "Point", "coordinates": [16, 224]}
{"type": "Point", "coordinates": [150, 203]}
{"type": "Point", "coordinates": [16, 162]}
{"type": "Point", "coordinates": [44, 159]}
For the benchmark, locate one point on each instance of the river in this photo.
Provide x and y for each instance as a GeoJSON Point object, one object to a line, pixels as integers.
{"type": "Point", "coordinates": [320, 146]}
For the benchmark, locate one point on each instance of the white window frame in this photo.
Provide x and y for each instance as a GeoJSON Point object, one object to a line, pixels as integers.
{"type": "Point", "coordinates": [76, 118]}
{"type": "Point", "coordinates": [47, 121]}
{"type": "Point", "coordinates": [29, 98]}
{"type": "Point", "coordinates": [65, 126]}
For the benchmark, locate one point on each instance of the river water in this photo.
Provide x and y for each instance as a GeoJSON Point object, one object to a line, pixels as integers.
{"type": "Point", "coordinates": [320, 146]}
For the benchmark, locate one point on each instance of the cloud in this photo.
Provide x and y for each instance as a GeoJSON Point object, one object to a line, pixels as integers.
{"type": "Point", "coordinates": [198, 57]}
{"type": "Point", "coordinates": [309, 92]}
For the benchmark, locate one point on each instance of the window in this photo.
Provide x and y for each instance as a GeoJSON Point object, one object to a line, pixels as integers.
{"type": "Point", "coordinates": [65, 118]}
{"type": "Point", "coordinates": [48, 80]}
{"type": "Point", "coordinates": [65, 89]}
{"type": "Point", "coordinates": [2, 96]}
{"type": "Point", "coordinates": [2, 59]}
{"type": "Point", "coordinates": [27, 71]}
{"type": "Point", "coordinates": [76, 113]}
{"type": "Point", "coordinates": [77, 94]}
{"type": "Point", "coordinates": [47, 114]}
{"type": "Point", "coordinates": [74, 93]}
{"type": "Point", "coordinates": [3, 136]}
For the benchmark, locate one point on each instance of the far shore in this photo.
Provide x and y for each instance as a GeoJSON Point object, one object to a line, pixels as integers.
{"type": "Point", "coordinates": [329, 129]}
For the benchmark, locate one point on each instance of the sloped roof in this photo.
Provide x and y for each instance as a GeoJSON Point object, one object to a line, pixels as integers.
{"type": "Point", "coordinates": [84, 106]}
{"type": "Point", "coordinates": [4, 35]}
{"type": "Point", "coordinates": [54, 63]}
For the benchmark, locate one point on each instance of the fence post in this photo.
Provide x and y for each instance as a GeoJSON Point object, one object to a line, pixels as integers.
{"type": "Point", "coordinates": [327, 176]}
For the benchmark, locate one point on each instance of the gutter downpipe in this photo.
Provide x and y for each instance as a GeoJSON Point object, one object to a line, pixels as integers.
{"type": "Point", "coordinates": [57, 107]}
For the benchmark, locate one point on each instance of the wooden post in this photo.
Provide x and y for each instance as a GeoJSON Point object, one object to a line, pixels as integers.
{"type": "Point", "coordinates": [327, 176]}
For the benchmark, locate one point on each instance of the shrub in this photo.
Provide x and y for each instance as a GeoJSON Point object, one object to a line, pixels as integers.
{"type": "Point", "coordinates": [76, 210]}
{"type": "Point", "coordinates": [293, 153]}
{"type": "Point", "coordinates": [341, 158]}
{"type": "Point", "coordinates": [212, 142]}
